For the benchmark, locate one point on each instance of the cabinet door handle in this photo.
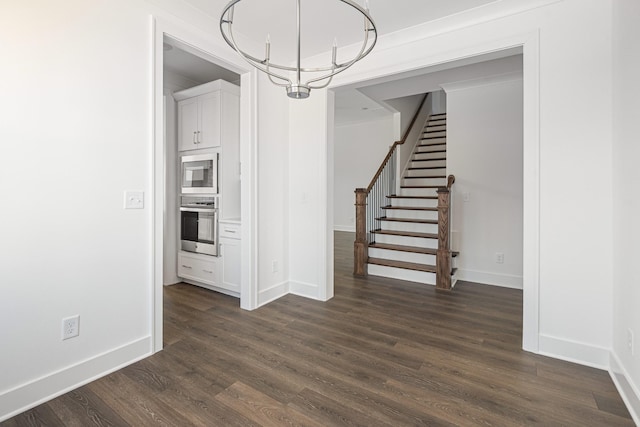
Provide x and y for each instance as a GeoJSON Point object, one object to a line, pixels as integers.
{"type": "Point", "coordinates": [199, 137]}
{"type": "Point", "coordinates": [187, 266]}
{"type": "Point", "coordinates": [194, 137]}
{"type": "Point", "coordinates": [208, 271]}
{"type": "Point", "coordinates": [226, 230]}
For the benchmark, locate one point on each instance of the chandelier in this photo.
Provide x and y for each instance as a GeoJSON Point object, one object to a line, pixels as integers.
{"type": "Point", "coordinates": [297, 79]}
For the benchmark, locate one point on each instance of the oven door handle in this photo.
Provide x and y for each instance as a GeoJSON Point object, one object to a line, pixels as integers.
{"type": "Point", "coordinates": [199, 210]}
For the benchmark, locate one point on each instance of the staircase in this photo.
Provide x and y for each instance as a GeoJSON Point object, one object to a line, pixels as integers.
{"type": "Point", "coordinates": [405, 245]}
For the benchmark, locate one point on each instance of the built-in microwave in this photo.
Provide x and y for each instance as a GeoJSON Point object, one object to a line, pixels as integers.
{"type": "Point", "coordinates": [200, 174]}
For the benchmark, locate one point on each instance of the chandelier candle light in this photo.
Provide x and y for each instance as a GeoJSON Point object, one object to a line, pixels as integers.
{"type": "Point", "coordinates": [319, 77]}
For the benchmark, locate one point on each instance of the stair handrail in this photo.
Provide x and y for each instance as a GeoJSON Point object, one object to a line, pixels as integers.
{"type": "Point", "coordinates": [379, 190]}
{"type": "Point", "coordinates": [396, 143]}
{"type": "Point", "coordinates": [444, 254]}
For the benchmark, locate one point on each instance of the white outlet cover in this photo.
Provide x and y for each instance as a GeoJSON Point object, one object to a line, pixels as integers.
{"type": "Point", "coordinates": [133, 199]}
{"type": "Point", "coordinates": [70, 327]}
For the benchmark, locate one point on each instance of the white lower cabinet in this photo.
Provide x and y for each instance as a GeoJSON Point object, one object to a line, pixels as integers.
{"type": "Point", "coordinates": [230, 249]}
{"type": "Point", "coordinates": [230, 252]}
{"type": "Point", "coordinates": [199, 268]}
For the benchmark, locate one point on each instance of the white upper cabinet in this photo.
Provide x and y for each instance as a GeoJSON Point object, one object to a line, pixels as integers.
{"type": "Point", "coordinates": [200, 112]}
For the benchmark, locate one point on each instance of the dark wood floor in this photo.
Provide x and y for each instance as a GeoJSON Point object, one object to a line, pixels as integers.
{"type": "Point", "coordinates": [381, 352]}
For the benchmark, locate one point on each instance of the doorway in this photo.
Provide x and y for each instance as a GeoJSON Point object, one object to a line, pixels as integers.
{"type": "Point", "coordinates": [201, 60]}
{"type": "Point", "coordinates": [528, 46]}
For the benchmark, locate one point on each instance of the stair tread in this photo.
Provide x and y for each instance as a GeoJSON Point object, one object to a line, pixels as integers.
{"type": "Point", "coordinates": [406, 234]}
{"type": "Point", "coordinates": [403, 264]}
{"type": "Point", "coordinates": [427, 168]}
{"type": "Point", "coordinates": [432, 144]}
{"type": "Point", "coordinates": [413, 197]}
{"type": "Point", "coordinates": [411, 220]}
{"type": "Point", "coordinates": [429, 160]}
{"type": "Point", "coordinates": [409, 208]}
{"type": "Point", "coordinates": [403, 248]}
{"type": "Point", "coordinates": [422, 177]}
{"type": "Point", "coordinates": [420, 186]}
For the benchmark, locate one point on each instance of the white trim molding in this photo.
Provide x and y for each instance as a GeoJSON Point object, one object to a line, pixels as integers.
{"type": "Point", "coordinates": [573, 351]}
{"type": "Point", "coordinates": [490, 278]}
{"type": "Point", "coordinates": [628, 390]}
{"type": "Point", "coordinates": [38, 391]}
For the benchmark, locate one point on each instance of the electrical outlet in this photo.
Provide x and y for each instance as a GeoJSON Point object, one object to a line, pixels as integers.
{"type": "Point", "coordinates": [70, 327]}
{"type": "Point", "coordinates": [466, 196]}
{"type": "Point", "coordinates": [274, 266]}
{"type": "Point", "coordinates": [630, 341]}
{"type": "Point", "coordinates": [499, 258]}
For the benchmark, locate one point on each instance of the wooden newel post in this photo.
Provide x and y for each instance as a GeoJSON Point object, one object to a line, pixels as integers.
{"type": "Point", "coordinates": [361, 245]}
{"type": "Point", "coordinates": [443, 256]}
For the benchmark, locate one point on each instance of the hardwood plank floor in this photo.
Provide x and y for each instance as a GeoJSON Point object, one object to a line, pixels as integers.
{"type": "Point", "coordinates": [381, 353]}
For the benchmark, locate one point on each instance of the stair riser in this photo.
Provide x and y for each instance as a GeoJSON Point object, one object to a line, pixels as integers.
{"type": "Point", "coordinates": [407, 241]}
{"type": "Point", "coordinates": [402, 256]}
{"type": "Point", "coordinates": [431, 134]}
{"type": "Point", "coordinates": [402, 274]}
{"type": "Point", "coordinates": [430, 145]}
{"type": "Point", "coordinates": [415, 203]}
{"type": "Point", "coordinates": [427, 172]}
{"type": "Point", "coordinates": [395, 213]}
{"type": "Point", "coordinates": [409, 226]}
{"type": "Point", "coordinates": [435, 127]}
{"type": "Point", "coordinates": [427, 156]}
{"type": "Point", "coordinates": [426, 192]}
{"type": "Point", "coordinates": [428, 163]}
{"type": "Point", "coordinates": [424, 181]}
{"type": "Point", "coordinates": [435, 123]}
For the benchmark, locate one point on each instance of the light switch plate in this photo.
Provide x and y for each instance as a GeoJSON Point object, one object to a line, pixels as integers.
{"type": "Point", "coordinates": [133, 199]}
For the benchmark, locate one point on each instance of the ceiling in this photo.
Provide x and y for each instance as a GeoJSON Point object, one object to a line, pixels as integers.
{"type": "Point", "coordinates": [257, 18]}
{"type": "Point", "coordinates": [324, 20]}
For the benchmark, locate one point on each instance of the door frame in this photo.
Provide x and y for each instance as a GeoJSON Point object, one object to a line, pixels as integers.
{"type": "Point", "coordinates": [212, 50]}
{"type": "Point", "coordinates": [529, 42]}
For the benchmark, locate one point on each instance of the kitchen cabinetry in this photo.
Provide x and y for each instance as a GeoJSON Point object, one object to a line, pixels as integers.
{"type": "Point", "coordinates": [199, 122]}
{"type": "Point", "coordinates": [208, 115]}
{"type": "Point", "coordinates": [200, 268]}
{"type": "Point", "coordinates": [230, 252]}
{"type": "Point", "coordinates": [209, 118]}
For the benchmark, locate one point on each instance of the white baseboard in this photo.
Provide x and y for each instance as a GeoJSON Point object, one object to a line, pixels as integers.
{"type": "Point", "coordinates": [487, 278]}
{"type": "Point", "coordinates": [572, 351]}
{"type": "Point", "coordinates": [276, 291]}
{"type": "Point", "coordinates": [36, 392]}
{"type": "Point", "coordinates": [629, 391]}
{"type": "Point", "coordinates": [302, 289]}
{"type": "Point", "coordinates": [348, 228]}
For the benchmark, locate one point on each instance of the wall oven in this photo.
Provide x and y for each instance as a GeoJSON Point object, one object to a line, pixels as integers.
{"type": "Point", "coordinates": [199, 225]}
{"type": "Point", "coordinates": [200, 174]}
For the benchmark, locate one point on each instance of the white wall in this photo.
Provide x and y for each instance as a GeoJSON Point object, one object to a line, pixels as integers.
{"type": "Point", "coordinates": [309, 197]}
{"type": "Point", "coordinates": [484, 152]}
{"type": "Point", "coordinates": [568, 302]}
{"type": "Point", "coordinates": [76, 134]}
{"type": "Point", "coordinates": [273, 190]}
{"type": "Point", "coordinates": [358, 151]}
{"type": "Point", "coordinates": [626, 207]}
{"type": "Point", "coordinates": [406, 107]}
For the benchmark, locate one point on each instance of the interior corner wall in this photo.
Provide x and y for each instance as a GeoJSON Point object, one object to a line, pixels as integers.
{"type": "Point", "coordinates": [359, 149]}
{"type": "Point", "coordinates": [273, 190]}
{"type": "Point", "coordinates": [89, 139]}
{"type": "Point", "coordinates": [484, 152]}
{"type": "Point", "coordinates": [439, 102]}
{"type": "Point", "coordinates": [309, 154]}
{"type": "Point", "coordinates": [626, 206]}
